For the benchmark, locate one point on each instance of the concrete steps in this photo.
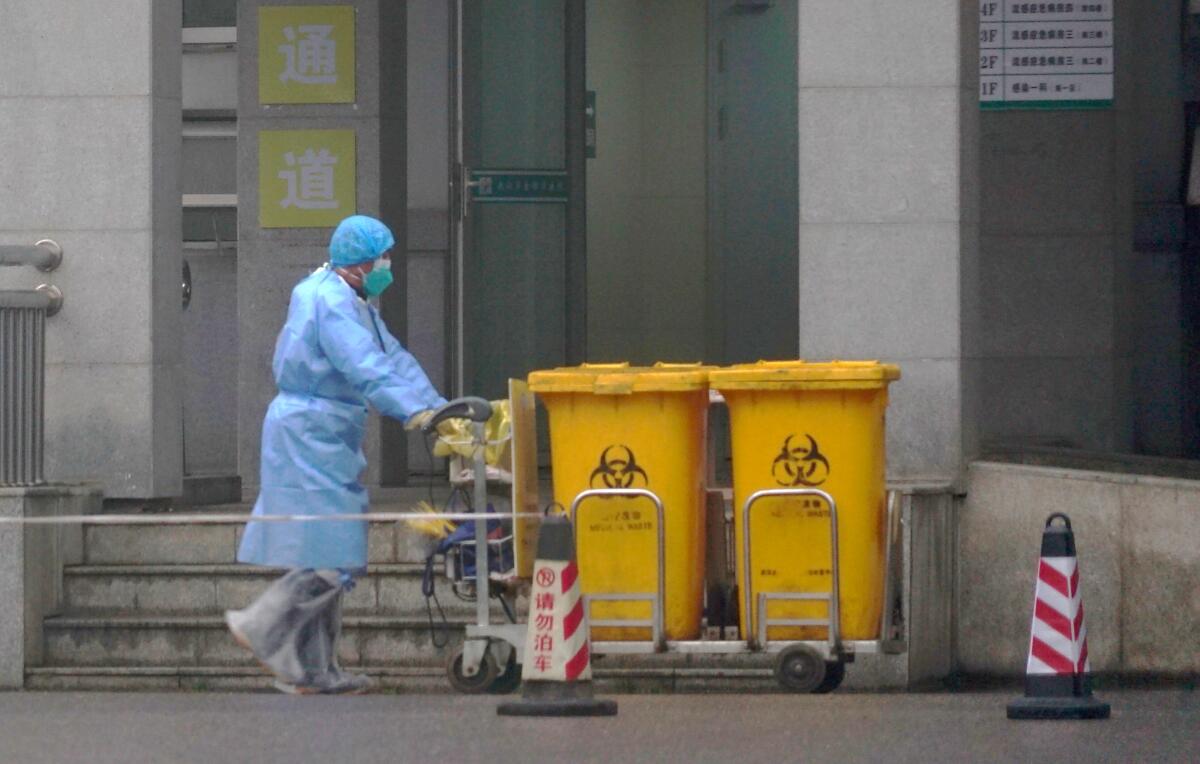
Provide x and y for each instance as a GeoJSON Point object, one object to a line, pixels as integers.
{"type": "Point", "coordinates": [211, 678]}
{"type": "Point", "coordinates": [213, 544]}
{"type": "Point", "coordinates": [197, 589]}
{"type": "Point", "coordinates": [203, 640]}
{"type": "Point", "coordinates": [144, 611]}
{"type": "Point", "coordinates": [415, 679]}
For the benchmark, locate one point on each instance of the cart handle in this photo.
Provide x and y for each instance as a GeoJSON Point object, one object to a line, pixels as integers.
{"type": "Point", "coordinates": [470, 407]}
{"type": "Point", "coordinates": [835, 637]}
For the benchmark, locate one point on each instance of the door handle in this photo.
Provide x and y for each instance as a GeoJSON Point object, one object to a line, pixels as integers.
{"type": "Point", "coordinates": [465, 185]}
{"type": "Point", "coordinates": [186, 285]}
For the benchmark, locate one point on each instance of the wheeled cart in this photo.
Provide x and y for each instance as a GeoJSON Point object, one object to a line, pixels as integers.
{"type": "Point", "coordinates": [489, 658]}
{"type": "Point", "coordinates": [800, 666]}
{"type": "Point", "coordinates": [491, 655]}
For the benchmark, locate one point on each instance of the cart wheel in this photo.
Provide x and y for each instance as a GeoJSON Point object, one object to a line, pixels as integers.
{"type": "Point", "coordinates": [800, 668]}
{"type": "Point", "coordinates": [509, 679]}
{"type": "Point", "coordinates": [835, 672]}
{"type": "Point", "coordinates": [471, 685]}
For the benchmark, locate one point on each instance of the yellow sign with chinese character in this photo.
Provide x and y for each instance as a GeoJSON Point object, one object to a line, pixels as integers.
{"type": "Point", "coordinates": [306, 54]}
{"type": "Point", "coordinates": [306, 178]}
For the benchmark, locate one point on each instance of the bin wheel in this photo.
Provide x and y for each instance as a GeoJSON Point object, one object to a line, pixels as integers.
{"type": "Point", "coordinates": [716, 609]}
{"type": "Point", "coordinates": [509, 679]}
{"type": "Point", "coordinates": [471, 685]}
{"type": "Point", "coordinates": [800, 668]}
{"type": "Point", "coordinates": [732, 598]}
{"type": "Point", "coordinates": [835, 672]}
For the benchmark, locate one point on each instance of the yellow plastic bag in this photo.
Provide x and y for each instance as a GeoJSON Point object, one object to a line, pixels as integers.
{"type": "Point", "coordinates": [434, 528]}
{"type": "Point", "coordinates": [455, 435]}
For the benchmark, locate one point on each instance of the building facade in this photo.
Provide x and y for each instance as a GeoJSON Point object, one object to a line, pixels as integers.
{"type": "Point", "coordinates": [992, 194]}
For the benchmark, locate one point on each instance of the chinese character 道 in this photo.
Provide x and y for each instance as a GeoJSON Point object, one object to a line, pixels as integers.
{"type": "Point", "coordinates": [310, 187]}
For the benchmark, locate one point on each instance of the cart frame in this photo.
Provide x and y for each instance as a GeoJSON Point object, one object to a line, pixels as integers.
{"type": "Point", "coordinates": [487, 645]}
{"type": "Point", "coordinates": [831, 649]}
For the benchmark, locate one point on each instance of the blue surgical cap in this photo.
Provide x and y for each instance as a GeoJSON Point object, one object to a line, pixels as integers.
{"type": "Point", "coordinates": [359, 239]}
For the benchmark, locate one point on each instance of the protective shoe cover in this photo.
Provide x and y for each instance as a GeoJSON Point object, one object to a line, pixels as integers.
{"type": "Point", "coordinates": [317, 644]}
{"type": "Point", "coordinates": [333, 357]}
{"type": "Point", "coordinates": [292, 627]}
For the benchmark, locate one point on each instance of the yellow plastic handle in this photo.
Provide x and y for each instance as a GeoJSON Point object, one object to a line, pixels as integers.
{"type": "Point", "coordinates": [614, 384]}
{"type": "Point", "coordinates": [603, 366]}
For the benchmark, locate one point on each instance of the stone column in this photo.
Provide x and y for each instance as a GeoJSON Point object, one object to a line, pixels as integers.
{"type": "Point", "coordinates": [888, 218]}
{"type": "Point", "coordinates": [272, 260]}
{"type": "Point", "coordinates": [90, 135]}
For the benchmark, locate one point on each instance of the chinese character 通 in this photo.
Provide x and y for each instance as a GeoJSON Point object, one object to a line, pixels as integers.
{"type": "Point", "coordinates": [311, 60]}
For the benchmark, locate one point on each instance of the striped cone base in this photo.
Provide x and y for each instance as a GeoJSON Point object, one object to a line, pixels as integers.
{"type": "Point", "coordinates": [1058, 673]}
{"type": "Point", "coordinates": [557, 674]}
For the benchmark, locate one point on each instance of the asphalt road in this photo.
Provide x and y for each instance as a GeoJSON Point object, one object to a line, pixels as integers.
{"type": "Point", "coordinates": [1161, 725]}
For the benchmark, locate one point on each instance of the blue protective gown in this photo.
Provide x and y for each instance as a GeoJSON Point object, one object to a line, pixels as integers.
{"type": "Point", "coordinates": [333, 357]}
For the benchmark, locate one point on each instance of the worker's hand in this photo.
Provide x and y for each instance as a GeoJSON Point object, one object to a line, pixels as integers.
{"type": "Point", "coordinates": [418, 420]}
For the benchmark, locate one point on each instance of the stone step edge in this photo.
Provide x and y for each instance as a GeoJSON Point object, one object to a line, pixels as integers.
{"type": "Point", "coordinates": [221, 569]}
{"type": "Point", "coordinates": [60, 622]}
{"type": "Point", "coordinates": [396, 671]}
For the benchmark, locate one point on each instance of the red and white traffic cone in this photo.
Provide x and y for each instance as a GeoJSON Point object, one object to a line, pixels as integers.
{"type": "Point", "coordinates": [557, 676]}
{"type": "Point", "coordinates": [1058, 673]}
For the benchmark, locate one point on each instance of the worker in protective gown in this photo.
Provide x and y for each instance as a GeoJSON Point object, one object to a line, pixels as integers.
{"type": "Point", "coordinates": [333, 358]}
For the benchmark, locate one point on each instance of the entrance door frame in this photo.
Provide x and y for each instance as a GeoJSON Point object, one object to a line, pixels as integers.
{"type": "Point", "coordinates": [575, 297]}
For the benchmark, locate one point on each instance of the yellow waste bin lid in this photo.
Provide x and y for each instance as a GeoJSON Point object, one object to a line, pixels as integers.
{"type": "Point", "coordinates": [802, 375]}
{"type": "Point", "coordinates": [621, 378]}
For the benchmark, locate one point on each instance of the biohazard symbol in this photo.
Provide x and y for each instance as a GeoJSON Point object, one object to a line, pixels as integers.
{"type": "Point", "coordinates": [618, 469]}
{"type": "Point", "coordinates": [800, 465]}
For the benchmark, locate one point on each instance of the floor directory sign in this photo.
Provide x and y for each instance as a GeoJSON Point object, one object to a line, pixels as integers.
{"type": "Point", "coordinates": [1047, 55]}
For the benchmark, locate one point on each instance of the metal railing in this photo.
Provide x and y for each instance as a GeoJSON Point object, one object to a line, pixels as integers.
{"type": "Point", "coordinates": [23, 365]}
{"type": "Point", "coordinates": [655, 598]}
{"type": "Point", "coordinates": [45, 255]}
{"type": "Point", "coordinates": [833, 597]}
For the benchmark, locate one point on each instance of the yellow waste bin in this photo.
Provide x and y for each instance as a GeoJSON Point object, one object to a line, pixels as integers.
{"type": "Point", "coordinates": [619, 426]}
{"type": "Point", "coordinates": [810, 425]}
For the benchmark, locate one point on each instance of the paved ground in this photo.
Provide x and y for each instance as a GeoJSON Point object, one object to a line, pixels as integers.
{"type": "Point", "coordinates": [130, 728]}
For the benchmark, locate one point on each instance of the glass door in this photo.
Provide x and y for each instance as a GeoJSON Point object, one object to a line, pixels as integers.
{"type": "Point", "coordinates": [518, 194]}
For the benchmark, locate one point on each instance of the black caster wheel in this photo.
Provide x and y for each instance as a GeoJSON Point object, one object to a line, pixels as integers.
{"type": "Point", "coordinates": [715, 609]}
{"type": "Point", "coordinates": [800, 668]}
{"type": "Point", "coordinates": [508, 680]}
{"type": "Point", "coordinates": [471, 685]}
{"type": "Point", "coordinates": [835, 672]}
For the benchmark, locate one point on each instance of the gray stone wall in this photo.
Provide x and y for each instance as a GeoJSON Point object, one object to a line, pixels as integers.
{"type": "Point", "coordinates": [31, 564]}
{"type": "Point", "coordinates": [1154, 342]}
{"type": "Point", "coordinates": [272, 261]}
{"type": "Point", "coordinates": [90, 134]}
{"type": "Point", "coordinates": [1080, 341]}
{"type": "Point", "coordinates": [887, 230]}
{"type": "Point", "coordinates": [1138, 560]}
{"type": "Point", "coordinates": [428, 139]}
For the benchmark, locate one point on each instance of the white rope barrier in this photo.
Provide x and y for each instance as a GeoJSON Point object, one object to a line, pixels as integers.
{"type": "Point", "coordinates": [201, 519]}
